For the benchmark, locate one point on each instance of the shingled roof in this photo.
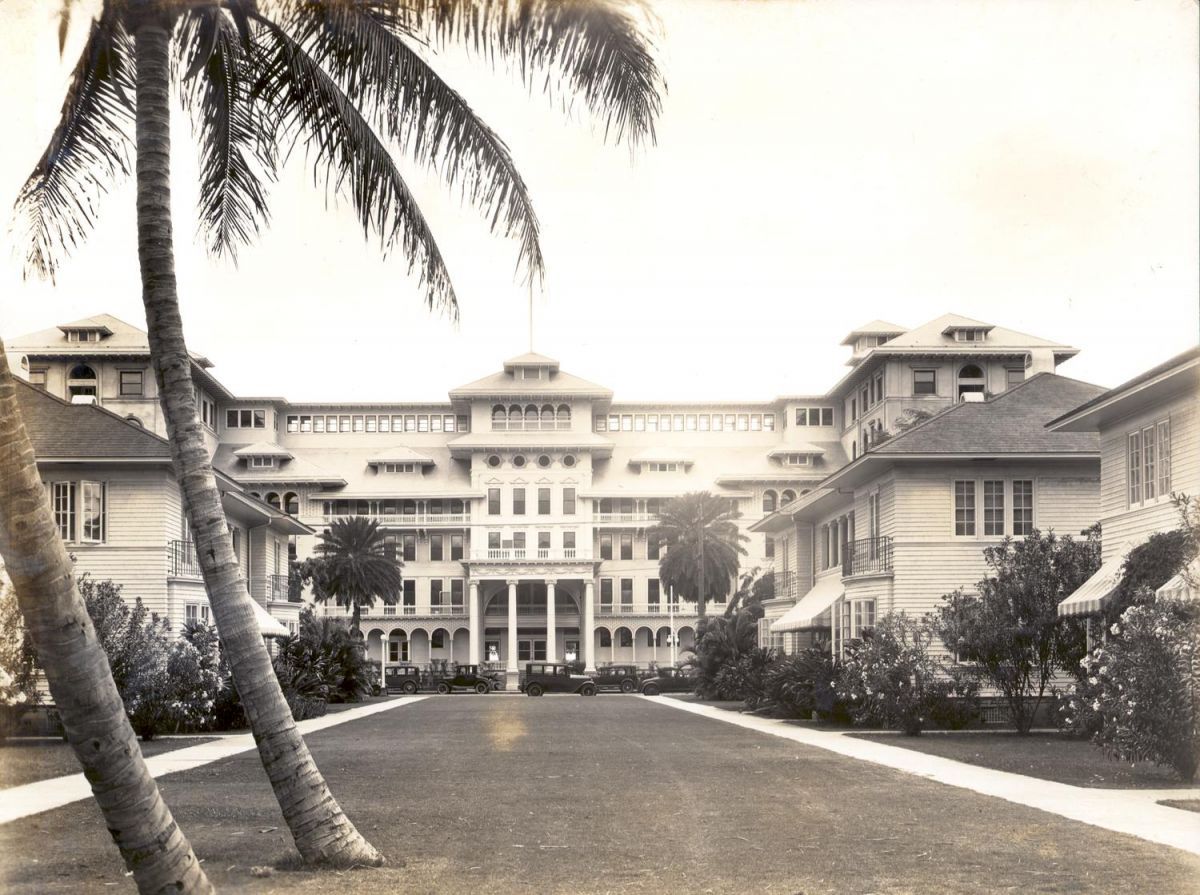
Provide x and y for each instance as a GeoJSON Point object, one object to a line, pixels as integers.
{"type": "Point", "coordinates": [1012, 422]}
{"type": "Point", "coordinates": [60, 430]}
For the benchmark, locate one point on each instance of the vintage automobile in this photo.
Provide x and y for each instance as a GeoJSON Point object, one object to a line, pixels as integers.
{"type": "Point", "coordinates": [401, 678]}
{"type": "Point", "coordinates": [544, 677]}
{"type": "Point", "coordinates": [668, 680]}
{"type": "Point", "coordinates": [468, 677]}
{"type": "Point", "coordinates": [618, 677]}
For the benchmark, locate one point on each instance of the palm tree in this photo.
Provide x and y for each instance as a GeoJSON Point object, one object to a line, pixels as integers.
{"type": "Point", "coordinates": [340, 77]}
{"type": "Point", "coordinates": [356, 564]}
{"type": "Point", "coordinates": [152, 845]}
{"type": "Point", "coordinates": [703, 544]}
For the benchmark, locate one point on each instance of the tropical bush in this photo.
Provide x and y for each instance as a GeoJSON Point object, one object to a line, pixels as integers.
{"type": "Point", "coordinates": [746, 677]}
{"type": "Point", "coordinates": [890, 678]}
{"type": "Point", "coordinates": [803, 683]}
{"type": "Point", "coordinates": [176, 690]}
{"type": "Point", "coordinates": [326, 649]}
{"type": "Point", "coordinates": [18, 674]}
{"type": "Point", "coordinates": [1143, 688]}
{"type": "Point", "coordinates": [1009, 630]}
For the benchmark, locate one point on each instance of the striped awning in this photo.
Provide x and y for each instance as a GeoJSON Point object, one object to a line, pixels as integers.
{"type": "Point", "coordinates": [810, 607]}
{"type": "Point", "coordinates": [1182, 586]}
{"type": "Point", "coordinates": [268, 625]}
{"type": "Point", "coordinates": [1093, 594]}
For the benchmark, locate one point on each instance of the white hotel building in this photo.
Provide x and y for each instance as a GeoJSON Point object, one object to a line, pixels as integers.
{"type": "Point", "coordinates": [523, 505]}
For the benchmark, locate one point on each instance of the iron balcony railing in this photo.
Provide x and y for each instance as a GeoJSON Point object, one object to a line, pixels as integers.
{"type": "Point", "coordinates": [181, 560]}
{"type": "Point", "coordinates": [868, 556]}
{"type": "Point", "coordinates": [279, 588]}
{"type": "Point", "coordinates": [785, 584]}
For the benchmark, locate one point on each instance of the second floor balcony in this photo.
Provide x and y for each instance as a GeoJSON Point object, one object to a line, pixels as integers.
{"type": "Point", "coordinates": [869, 556]}
{"type": "Point", "coordinates": [508, 554]}
{"type": "Point", "coordinates": [181, 560]}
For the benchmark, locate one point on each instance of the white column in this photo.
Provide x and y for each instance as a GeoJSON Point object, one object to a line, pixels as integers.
{"type": "Point", "coordinates": [512, 626]}
{"type": "Point", "coordinates": [551, 622]}
{"type": "Point", "coordinates": [475, 629]}
{"type": "Point", "coordinates": [589, 625]}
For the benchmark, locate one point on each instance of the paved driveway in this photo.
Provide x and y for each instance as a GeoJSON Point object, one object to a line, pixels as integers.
{"type": "Point", "coordinates": [506, 794]}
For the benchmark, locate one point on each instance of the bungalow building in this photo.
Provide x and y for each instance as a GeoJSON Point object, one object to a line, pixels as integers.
{"type": "Point", "coordinates": [908, 520]}
{"type": "Point", "coordinates": [119, 510]}
{"type": "Point", "coordinates": [1149, 433]}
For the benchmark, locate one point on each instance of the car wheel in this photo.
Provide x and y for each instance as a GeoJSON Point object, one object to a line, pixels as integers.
{"type": "Point", "coordinates": [443, 688]}
{"type": "Point", "coordinates": [651, 690]}
{"type": "Point", "coordinates": [482, 688]}
{"type": "Point", "coordinates": [534, 690]}
{"type": "Point", "coordinates": [410, 687]}
{"type": "Point", "coordinates": [627, 686]}
{"type": "Point", "coordinates": [588, 690]}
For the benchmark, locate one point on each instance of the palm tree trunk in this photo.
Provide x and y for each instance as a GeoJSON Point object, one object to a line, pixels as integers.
{"type": "Point", "coordinates": [356, 620]}
{"type": "Point", "coordinates": [322, 832]}
{"type": "Point", "coordinates": [151, 844]}
{"type": "Point", "coordinates": [700, 578]}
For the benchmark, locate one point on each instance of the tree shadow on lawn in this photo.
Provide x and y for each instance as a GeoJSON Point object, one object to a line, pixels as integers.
{"type": "Point", "coordinates": [1046, 756]}
{"type": "Point", "coordinates": [28, 760]}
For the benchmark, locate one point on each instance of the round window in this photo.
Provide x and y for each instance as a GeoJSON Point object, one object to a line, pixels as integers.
{"type": "Point", "coordinates": [518, 461]}
{"type": "Point", "coordinates": [569, 460]}
{"type": "Point", "coordinates": [493, 460]}
{"type": "Point", "coordinates": [543, 461]}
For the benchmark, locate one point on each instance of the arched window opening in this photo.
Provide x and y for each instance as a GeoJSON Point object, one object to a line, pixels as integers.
{"type": "Point", "coordinates": [564, 416]}
{"type": "Point", "coordinates": [769, 501]}
{"type": "Point", "coordinates": [788, 496]}
{"type": "Point", "coordinates": [291, 503]}
{"type": "Point", "coordinates": [547, 416]}
{"type": "Point", "coordinates": [81, 381]}
{"type": "Point", "coordinates": [624, 638]}
{"type": "Point", "coordinates": [499, 417]}
{"type": "Point", "coordinates": [605, 637]}
{"type": "Point", "coordinates": [273, 500]}
{"type": "Point", "coordinates": [970, 381]}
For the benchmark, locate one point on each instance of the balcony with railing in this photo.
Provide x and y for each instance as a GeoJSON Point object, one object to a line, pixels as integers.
{"type": "Point", "coordinates": [640, 518]}
{"type": "Point", "coordinates": [785, 584]}
{"type": "Point", "coordinates": [412, 610]}
{"type": "Point", "coordinates": [424, 520]}
{"type": "Point", "coordinates": [279, 588]}
{"type": "Point", "coordinates": [181, 560]}
{"type": "Point", "coordinates": [507, 554]}
{"type": "Point", "coordinates": [869, 556]}
{"type": "Point", "coordinates": [643, 607]}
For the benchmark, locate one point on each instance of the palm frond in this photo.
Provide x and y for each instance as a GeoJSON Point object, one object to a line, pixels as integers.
{"type": "Point", "coordinates": [88, 152]}
{"type": "Point", "coordinates": [235, 161]}
{"type": "Point", "coordinates": [596, 48]}
{"type": "Point", "coordinates": [364, 48]}
{"type": "Point", "coordinates": [308, 106]}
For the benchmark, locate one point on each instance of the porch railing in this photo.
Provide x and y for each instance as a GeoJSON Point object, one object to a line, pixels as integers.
{"type": "Point", "coordinates": [278, 588]}
{"type": "Point", "coordinates": [868, 556]}
{"type": "Point", "coordinates": [181, 560]}
{"type": "Point", "coordinates": [507, 553]}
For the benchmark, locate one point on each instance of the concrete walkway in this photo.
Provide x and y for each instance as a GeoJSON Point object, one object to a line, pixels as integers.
{"type": "Point", "coordinates": [45, 795]}
{"type": "Point", "coordinates": [1122, 810]}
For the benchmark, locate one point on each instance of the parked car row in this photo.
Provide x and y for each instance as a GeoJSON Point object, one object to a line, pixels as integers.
{"type": "Point", "coordinates": [539, 678]}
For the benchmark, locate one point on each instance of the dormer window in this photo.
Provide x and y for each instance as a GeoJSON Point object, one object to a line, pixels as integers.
{"type": "Point", "coordinates": [795, 459]}
{"type": "Point", "coordinates": [407, 468]}
{"type": "Point", "coordinates": [262, 462]}
{"type": "Point", "coordinates": [971, 334]}
{"type": "Point", "coordinates": [662, 467]}
{"type": "Point", "coordinates": [531, 372]}
{"type": "Point", "coordinates": [83, 335]}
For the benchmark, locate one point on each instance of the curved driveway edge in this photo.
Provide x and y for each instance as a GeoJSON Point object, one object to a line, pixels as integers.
{"type": "Point", "coordinates": [45, 795]}
{"type": "Point", "coordinates": [1123, 811]}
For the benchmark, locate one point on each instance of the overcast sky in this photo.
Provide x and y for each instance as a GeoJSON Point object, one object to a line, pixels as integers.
{"type": "Point", "coordinates": [819, 164]}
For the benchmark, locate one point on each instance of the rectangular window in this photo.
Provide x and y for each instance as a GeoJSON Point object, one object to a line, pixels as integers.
{"type": "Point", "coordinates": [653, 594]}
{"type": "Point", "coordinates": [1014, 376]}
{"type": "Point", "coordinates": [435, 423]}
{"type": "Point", "coordinates": [372, 424]}
{"type": "Point", "coordinates": [435, 548]}
{"type": "Point", "coordinates": [543, 501]}
{"type": "Point", "coordinates": [319, 424]}
{"type": "Point", "coordinates": [606, 544]}
{"type": "Point", "coordinates": [743, 422]}
{"type": "Point", "coordinates": [653, 545]}
{"type": "Point", "coordinates": [568, 502]}
{"type": "Point", "coordinates": [639, 422]}
{"type": "Point", "coordinates": [1164, 457]}
{"type": "Point", "coordinates": [606, 594]}
{"type": "Point", "coordinates": [614, 422]}
{"type": "Point", "coordinates": [964, 508]}
{"type": "Point", "coordinates": [1135, 467]}
{"type": "Point", "coordinates": [1022, 500]}
{"type": "Point", "coordinates": [358, 424]}
{"type": "Point", "coordinates": [64, 509]}
{"type": "Point", "coordinates": [924, 382]}
{"type": "Point", "coordinates": [306, 422]}
{"type": "Point", "coordinates": [626, 545]}
{"type": "Point", "coordinates": [651, 422]}
{"type": "Point", "coordinates": [456, 594]}
{"type": "Point", "coordinates": [801, 416]}
{"type": "Point", "coordinates": [626, 422]}
{"type": "Point", "coordinates": [756, 422]}
{"type": "Point", "coordinates": [543, 540]}
{"type": "Point", "coordinates": [456, 547]}
{"type": "Point", "coordinates": [410, 597]}
{"type": "Point", "coordinates": [132, 383]}
{"type": "Point", "coordinates": [493, 501]}
{"type": "Point", "coordinates": [568, 540]}
{"type": "Point", "coordinates": [769, 422]}
{"type": "Point", "coordinates": [993, 508]}
{"type": "Point", "coordinates": [343, 424]}
{"type": "Point", "coordinates": [423, 423]}
{"type": "Point", "coordinates": [410, 547]}
{"type": "Point", "coordinates": [493, 540]}
{"type": "Point", "coordinates": [730, 422]}
{"type": "Point", "coordinates": [705, 422]}
{"type": "Point", "coordinates": [410, 422]}
{"type": "Point", "coordinates": [385, 423]}
{"type": "Point", "coordinates": [626, 594]}
{"type": "Point", "coordinates": [1149, 458]}
{"type": "Point", "coordinates": [92, 512]}
{"type": "Point", "coordinates": [518, 501]}
{"type": "Point", "coordinates": [718, 422]}
{"type": "Point", "coordinates": [462, 422]}
{"type": "Point", "coordinates": [435, 594]}
{"type": "Point", "coordinates": [689, 422]}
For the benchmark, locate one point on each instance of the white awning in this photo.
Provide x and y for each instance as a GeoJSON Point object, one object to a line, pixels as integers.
{"type": "Point", "coordinates": [268, 626]}
{"type": "Point", "coordinates": [810, 607]}
{"type": "Point", "coordinates": [1180, 587]}
{"type": "Point", "coordinates": [1093, 594]}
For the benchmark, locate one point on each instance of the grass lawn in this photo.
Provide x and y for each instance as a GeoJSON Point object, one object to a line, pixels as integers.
{"type": "Point", "coordinates": [1185, 804]}
{"type": "Point", "coordinates": [29, 760]}
{"type": "Point", "coordinates": [1046, 756]}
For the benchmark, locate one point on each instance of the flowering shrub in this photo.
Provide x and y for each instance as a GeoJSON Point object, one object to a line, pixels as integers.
{"type": "Point", "coordinates": [18, 677]}
{"type": "Point", "coordinates": [889, 677]}
{"type": "Point", "coordinates": [1143, 687]}
{"type": "Point", "coordinates": [803, 683]}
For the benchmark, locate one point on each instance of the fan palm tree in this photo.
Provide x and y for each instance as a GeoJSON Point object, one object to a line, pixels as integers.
{"type": "Point", "coordinates": [703, 544]}
{"type": "Point", "coordinates": [356, 565]}
{"type": "Point", "coordinates": [342, 78]}
{"type": "Point", "coordinates": [69, 652]}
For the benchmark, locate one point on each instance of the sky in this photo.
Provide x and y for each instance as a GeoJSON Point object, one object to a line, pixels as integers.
{"type": "Point", "coordinates": [818, 164]}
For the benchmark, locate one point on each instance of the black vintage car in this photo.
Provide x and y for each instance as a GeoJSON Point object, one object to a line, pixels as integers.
{"type": "Point", "coordinates": [541, 677]}
{"type": "Point", "coordinates": [618, 677]}
{"type": "Point", "coordinates": [402, 678]}
{"type": "Point", "coordinates": [467, 677]}
{"type": "Point", "coordinates": [668, 680]}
